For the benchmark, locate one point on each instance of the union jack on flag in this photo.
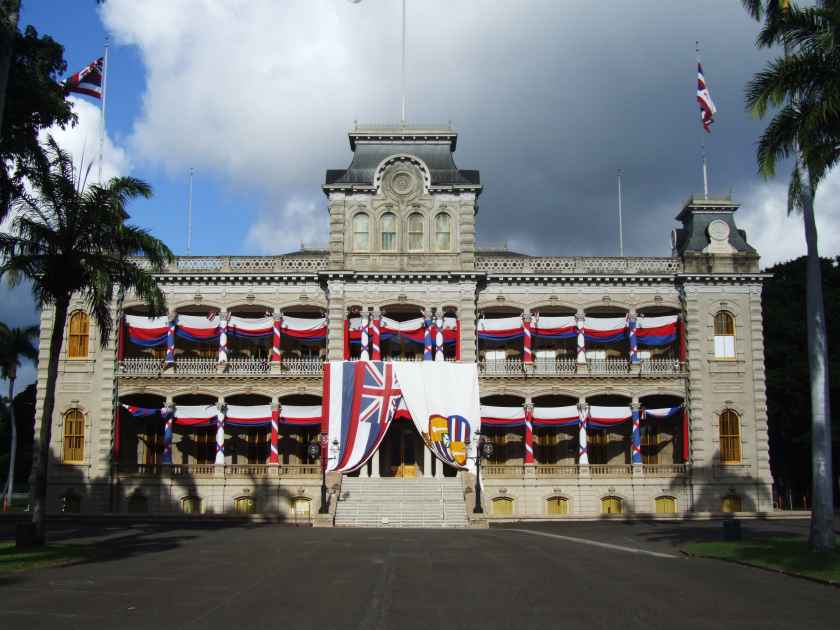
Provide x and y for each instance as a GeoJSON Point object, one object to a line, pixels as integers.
{"type": "Point", "coordinates": [704, 100]}
{"type": "Point", "coordinates": [360, 398]}
{"type": "Point", "coordinates": [88, 80]}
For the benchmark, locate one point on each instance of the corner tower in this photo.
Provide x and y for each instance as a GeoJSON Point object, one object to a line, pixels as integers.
{"type": "Point", "coordinates": [402, 204]}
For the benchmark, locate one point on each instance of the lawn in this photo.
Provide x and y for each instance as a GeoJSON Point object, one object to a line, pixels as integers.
{"type": "Point", "coordinates": [14, 559]}
{"type": "Point", "coordinates": [784, 554]}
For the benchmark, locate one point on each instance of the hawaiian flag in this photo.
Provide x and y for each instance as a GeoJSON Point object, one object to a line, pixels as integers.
{"type": "Point", "coordinates": [360, 400]}
{"type": "Point", "coordinates": [88, 80]}
{"type": "Point", "coordinates": [704, 99]}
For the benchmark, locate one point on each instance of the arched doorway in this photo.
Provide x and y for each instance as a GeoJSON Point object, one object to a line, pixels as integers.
{"type": "Point", "coordinates": [401, 452]}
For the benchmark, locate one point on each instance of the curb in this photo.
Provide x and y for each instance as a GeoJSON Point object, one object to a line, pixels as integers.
{"type": "Point", "coordinates": [763, 568]}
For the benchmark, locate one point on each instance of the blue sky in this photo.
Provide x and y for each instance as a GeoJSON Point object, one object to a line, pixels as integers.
{"type": "Point", "coordinates": [550, 98]}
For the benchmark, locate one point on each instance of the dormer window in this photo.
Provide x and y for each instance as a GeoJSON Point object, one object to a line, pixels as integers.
{"type": "Point", "coordinates": [361, 232]}
{"type": "Point", "coordinates": [415, 232]}
{"type": "Point", "coordinates": [443, 232]}
{"type": "Point", "coordinates": [388, 224]}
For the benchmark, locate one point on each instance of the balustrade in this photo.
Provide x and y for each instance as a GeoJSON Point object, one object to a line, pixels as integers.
{"type": "Point", "coordinates": [611, 470]}
{"type": "Point", "coordinates": [237, 471]}
{"type": "Point", "coordinates": [663, 470]}
{"type": "Point", "coordinates": [660, 366]}
{"type": "Point", "coordinates": [501, 367]}
{"type": "Point", "coordinates": [557, 470]}
{"type": "Point", "coordinates": [141, 366]}
{"type": "Point", "coordinates": [195, 365]}
{"type": "Point", "coordinates": [503, 471]}
{"type": "Point", "coordinates": [308, 366]}
{"type": "Point", "coordinates": [608, 366]}
{"type": "Point", "coordinates": [245, 365]}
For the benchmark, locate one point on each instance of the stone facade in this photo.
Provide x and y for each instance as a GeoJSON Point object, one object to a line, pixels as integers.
{"type": "Point", "coordinates": [402, 243]}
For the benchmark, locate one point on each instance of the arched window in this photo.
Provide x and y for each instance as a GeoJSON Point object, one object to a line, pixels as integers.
{"type": "Point", "coordinates": [443, 232]}
{"type": "Point", "coordinates": [611, 505]}
{"type": "Point", "coordinates": [557, 506]}
{"type": "Point", "coordinates": [724, 336]}
{"type": "Point", "coordinates": [730, 437]}
{"type": "Point", "coordinates": [415, 232]}
{"type": "Point", "coordinates": [74, 437]}
{"type": "Point", "coordinates": [191, 505]}
{"type": "Point", "coordinates": [731, 503]}
{"type": "Point", "coordinates": [389, 232]}
{"type": "Point", "coordinates": [502, 506]}
{"type": "Point", "coordinates": [77, 344]}
{"type": "Point", "coordinates": [666, 505]}
{"type": "Point", "coordinates": [361, 232]}
{"type": "Point", "coordinates": [244, 505]}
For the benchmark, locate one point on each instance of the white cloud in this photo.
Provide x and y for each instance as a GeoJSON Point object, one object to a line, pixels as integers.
{"type": "Point", "coordinates": [779, 237]}
{"type": "Point", "coordinates": [301, 222]}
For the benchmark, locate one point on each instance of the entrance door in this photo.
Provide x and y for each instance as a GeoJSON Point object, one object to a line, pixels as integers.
{"type": "Point", "coordinates": [403, 458]}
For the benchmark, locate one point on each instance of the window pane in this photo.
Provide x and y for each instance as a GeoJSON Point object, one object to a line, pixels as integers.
{"type": "Point", "coordinates": [724, 347]}
{"type": "Point", "coordinates": [415, 232]}
{"type": "Point", "coordinates": [77, 346]}
{"type": "Point", "coordinates": [389, 231]}
{"type": "Point", "coordinates": [443, 231]}
{"type": "Point", "coordinates": [361, 231]}
{"type": "Point", "coordinates": [724, 324]}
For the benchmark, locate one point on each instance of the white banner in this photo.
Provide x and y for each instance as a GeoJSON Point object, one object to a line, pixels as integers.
{"type": "Point", "coordinates": [444, 403]}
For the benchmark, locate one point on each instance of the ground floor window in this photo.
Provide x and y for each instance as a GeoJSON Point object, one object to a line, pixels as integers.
{"type": "Point", "coordinates": [731, 503]}
{"type": "Point", "coordinates": [666, 505]}
{"type": "Point", "coordinates": [244, 505]}
{"type": "Point", "coordinates": [502, 506]}
{"type": "Point", "coordinates": [557, 506]}
{"type": "Point", "coordinates": [611, 505]}
{"type": "Point", "coordinates": [191, 505]}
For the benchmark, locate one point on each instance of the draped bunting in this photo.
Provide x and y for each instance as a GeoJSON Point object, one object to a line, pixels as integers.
{"type": "Point", "coordinates": [412, 330]}
{"type": "Point", "coordinates": [527, 354]}
{"type": "Point", "coordinates": [220, 438]}
{"type": "Point", "coordinates": [529, 434]}
{"type": "Point", "coordinates": [605, 329]}
{"type": "Point", "coordinates": [243, 416]}
{"type": "Point", "coordinates": [636, 437]}
{"type": "Point", "coordinates": [365, 340]}
{"type": "Point", "coordinates": [249, 328]}
{"type": "Point", "coordinates": [656, 331]}
{"type": "Point", "coordinates": [274, 452]}
{"type": "Point", "coordinates": [502, 417]}
{"type": "Point", "coordinates": [543, 327]}
{"type": "Point", "coordinates": [223, 354]}
{"type": "Point", "coordinates": [427, 340]}
{"type": "Point", "coordinates": [439, 339]}
{"type": "Point", "coordinates": [502, 329]}
{"type": "Point", "coordinates": [275, 342]}
{"type": "Point", "coordinates": [301, 415]}
{"type": "Point", "coordinates": [202, 416]}
{"type": "Point", "coordinates": [147, 332]}
{"type": "Point", "coordinates": [607, 417]}
{"type": "Point", "coordinates": [556, 417]}
{"type": "Point", "coordinates": [145, 412]}
{"type": "Point", "coordinates": [198, 329]}
{"type": "Point", "coordinates": [665, 412]}
{"type": "Point", "coordinates": [634, 341]}
{"type": "Point", "coordinates": [581, 342]}
{"type": "Point", "coordinates": [583, 445]}
{"type": "Point", "coordinates": [304, 329]}
{"type": "Point", "coordinates": [375, 340]}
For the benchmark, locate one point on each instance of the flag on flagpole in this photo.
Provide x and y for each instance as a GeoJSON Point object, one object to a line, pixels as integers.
{"type": "Point", "coordinates": [704, 100]}
{"type": "Point", "coordinates": [87, 80]}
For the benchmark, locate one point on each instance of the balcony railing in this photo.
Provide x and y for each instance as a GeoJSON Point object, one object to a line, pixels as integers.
{"type": "Point", "coordinates": [196, 365]}
{"type": "Point", "coordinates": [549, 367]}
{"type": "Point", "coordinates": [141, 366]}
{"type": "Point", "coordinates": [503, 471]}
{"type": "Point", "coordinates": [663, 470]}
{"type": "Point", "coordinates": [501, 367]}
{"type": "Point", "coordinates": [228, 471]}
{"type": "Point", "coordinates": [611, 470]}
{"type": "Point", "coordinates": [246, 365]}
{"type": "Point", "coordinates": [308, 366]}
{"type": "Point", "coordinates": [557, 470]}
{"type": "Point", "coordinates": [608, 366]}
{"type": "Point", "coordinates": [660, 366]}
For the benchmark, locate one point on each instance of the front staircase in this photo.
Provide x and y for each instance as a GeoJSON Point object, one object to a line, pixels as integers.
{"type": "Point", "coordinates": [394, 502]}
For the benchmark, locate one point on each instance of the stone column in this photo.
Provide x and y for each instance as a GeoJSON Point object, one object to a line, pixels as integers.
{"type": "Point", "coordinates": [169, 423]}
{"type": "Point", "coordinates": [374, 471]}
{"type": "Point", "coordinates": [438, 469]}
{"type": "Point", "coordinates": [529, 433]}
{"type": "Point", "coordinates": [581, 342]}
{"type": "Point", "coordinates": [273, 456]}
{"type": "Point", "coordinates": [427, 460]}
{"type": "Point", "coordinates": [583, 449]}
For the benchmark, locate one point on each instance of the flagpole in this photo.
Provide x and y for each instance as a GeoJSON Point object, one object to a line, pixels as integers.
{"type": "Point", "coordinates": [104, 101]}
{"type": "Point", "coordinates": [620, 226]}
{"type": "Point", "coordinates": [703, 141]}
{"type": "Point", "coordinates": [402, 118]}
{"type": "Point", "coordinates": [189, 215]}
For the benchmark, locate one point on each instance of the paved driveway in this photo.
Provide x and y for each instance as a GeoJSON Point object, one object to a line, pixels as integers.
{"type": "Point", "coordinates": [518, 577]}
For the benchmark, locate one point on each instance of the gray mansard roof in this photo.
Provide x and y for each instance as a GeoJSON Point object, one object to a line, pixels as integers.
{"type": "Point", "coordinates": [435, 148]}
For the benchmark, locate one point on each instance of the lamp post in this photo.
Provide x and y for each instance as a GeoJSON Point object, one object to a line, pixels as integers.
{"type": "Point", "coordinates": [314, 451]}
{"type": "Point", "coordinates": [485, 449]}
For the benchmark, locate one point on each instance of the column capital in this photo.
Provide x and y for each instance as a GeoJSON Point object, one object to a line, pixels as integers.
{"type": "Point", "coordinates": [529, 405]}
{"type": "Point", "coordinates": [635, 405]}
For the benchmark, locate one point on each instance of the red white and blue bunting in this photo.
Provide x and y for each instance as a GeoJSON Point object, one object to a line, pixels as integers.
{"type": "Point", "coordinates": [500, 330]}
{"type": "Point", "coordinates": [147, 332]}
{"type": "Point", "coordinates": [656, 331]}
{"type": "Point", "coordinates": [604, 329]}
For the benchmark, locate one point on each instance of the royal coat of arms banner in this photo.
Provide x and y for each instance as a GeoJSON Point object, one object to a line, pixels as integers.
{"type": "Point", "coordinates": [444, 403]}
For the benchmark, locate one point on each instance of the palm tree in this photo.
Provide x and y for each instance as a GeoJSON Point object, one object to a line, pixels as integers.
{"type": "Point", "coordinates": [16, 344]}
{"type": "Point", "coordinates": [804, 86]}
{"type": "Point", "coordinates": [71, 241]}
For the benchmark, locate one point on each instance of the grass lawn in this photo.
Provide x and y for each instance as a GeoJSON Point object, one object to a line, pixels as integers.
{"type": "Point", "coordinates": [14, 559]}
{"type": "Point", "coordinates": [786, 554]}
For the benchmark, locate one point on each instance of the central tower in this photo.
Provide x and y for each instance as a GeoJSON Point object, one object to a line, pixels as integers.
{"type": "Point", "coordinates": [402, 204]}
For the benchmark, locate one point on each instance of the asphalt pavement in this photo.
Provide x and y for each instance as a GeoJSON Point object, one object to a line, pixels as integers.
{"type": "Point", "coordinates": [584, 575]}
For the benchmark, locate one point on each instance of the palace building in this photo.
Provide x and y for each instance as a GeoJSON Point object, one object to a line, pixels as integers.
{"type": "Point", "coordinates": [628, 386]}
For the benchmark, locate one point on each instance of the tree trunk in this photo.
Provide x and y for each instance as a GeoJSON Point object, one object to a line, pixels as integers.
{"type": "Point", "coordinates": [41, 448]}
{"type": "Point", "coordinates": [7, 501]}
{"type": "Point", "coordinates": [822, 504]}
{"type": "Point", "coordinates": [8, 31]}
